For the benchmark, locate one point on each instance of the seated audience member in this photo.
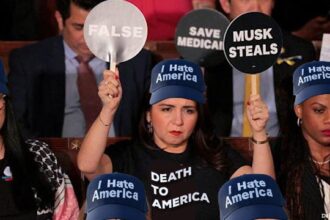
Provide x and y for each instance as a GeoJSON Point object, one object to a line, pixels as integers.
{"type": "Point", "coordinates": [18, 20]}
{"type": "Point", "coordinates": [225, 85]}
{"type": "Point", "coordinates": [51, 91]}
{"type": "Point", "coordinates": [32, 185]}
{"type": "Point", "coordinates": [310, 24]}
{"type": "Point", "coordinates": [181, 162]}
{"type": "Point", "coordinates": [162, 16]}
{"type": "Point", "coordinates": [250, 197]}
{"type": "Point", "coordinates": [302, 157]}
{"type": "Point", "coordinates": [125, 198]}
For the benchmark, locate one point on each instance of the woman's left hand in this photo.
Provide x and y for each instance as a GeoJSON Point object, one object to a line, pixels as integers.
{"type": "Point", "coordinates": [257, 113]}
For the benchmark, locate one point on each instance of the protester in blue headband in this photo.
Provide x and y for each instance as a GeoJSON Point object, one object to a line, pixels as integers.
{"type": "Point", "coordinates": [304, 158]}
{"type": "Point", "coordinates": [250, 197]}
{"type": "Point", "coordinates": [116, 196]}
{"type": "Point", "coordinates": [181, 162]}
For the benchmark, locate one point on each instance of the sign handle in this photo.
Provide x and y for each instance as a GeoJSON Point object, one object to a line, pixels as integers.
{"type": "Point", "coordinates": [112, 60]}
{"type": "Point", "coordinates": [255, 84]}
{"type": "Point", "coordinates": [252, 86]}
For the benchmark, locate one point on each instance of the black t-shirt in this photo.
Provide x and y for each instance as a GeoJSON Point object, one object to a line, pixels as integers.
{"type": "Point", "coordinates": [177, 185]}
{"type": "Point", "coordinates": [311, 199]}
{"type": "Point", "coordinates": [8, 208]}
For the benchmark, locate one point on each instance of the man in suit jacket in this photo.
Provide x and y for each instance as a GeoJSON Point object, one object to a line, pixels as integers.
{"type": "Point", "coordinates": [223, 82]}
{"type": "Point", "coordinates": [43, 77]}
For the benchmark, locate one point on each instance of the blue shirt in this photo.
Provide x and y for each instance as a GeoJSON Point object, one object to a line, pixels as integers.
{"type": "Point", "coordinates": [267, 93]}
{"type": "Point", "coordinates": [74, 122]}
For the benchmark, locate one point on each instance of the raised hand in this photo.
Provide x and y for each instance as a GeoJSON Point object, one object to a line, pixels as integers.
{"type": "Point", "coordinates": [257, 113]}
{"type": "Point", "coordinates": [110, 90]}
{"type": "Point", "coordinates": [314, 29]}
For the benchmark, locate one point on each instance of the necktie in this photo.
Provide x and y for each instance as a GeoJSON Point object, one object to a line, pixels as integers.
{"type": "Point", "coordinates": [250, 81]}
{"type": "Point", "coordinates": [87, 87]}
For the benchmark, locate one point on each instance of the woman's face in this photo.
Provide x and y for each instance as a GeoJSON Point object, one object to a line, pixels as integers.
{"type": "Point", "coordinates": [2, 109]}
{"type": "Point", "coordinates": [173, 121]}
{"type": "Point", "coordinates": [315, 115]}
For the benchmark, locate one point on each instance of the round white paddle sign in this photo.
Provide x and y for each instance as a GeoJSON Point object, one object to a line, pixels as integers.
{"type": "Point", "coordinates": [115, 31]}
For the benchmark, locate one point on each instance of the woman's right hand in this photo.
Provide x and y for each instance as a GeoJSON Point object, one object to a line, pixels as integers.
{"type": "Point", "coordinates": [91, 158]}
{"type": "Point", "coordinates": [110, 90]}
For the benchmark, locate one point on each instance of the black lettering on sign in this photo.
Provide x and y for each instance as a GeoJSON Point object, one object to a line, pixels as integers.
{"type": "Point", "coordinates": [252, 42]}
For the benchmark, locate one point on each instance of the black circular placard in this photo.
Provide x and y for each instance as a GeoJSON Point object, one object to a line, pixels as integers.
{"type": "Point", "coordinates": [252, 42]}
{"type": "Point", "coordinates": [199, 36]}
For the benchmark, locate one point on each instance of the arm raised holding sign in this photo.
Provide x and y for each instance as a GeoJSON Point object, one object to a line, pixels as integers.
{"type": "Point", "coordinates": [258, 115]}
{"type": "Point", "coordinates": [174, 144]}
{"type": "Point", "coordinates": [91, 159]}
{"type": "Point", "coordinates": [110, 90]}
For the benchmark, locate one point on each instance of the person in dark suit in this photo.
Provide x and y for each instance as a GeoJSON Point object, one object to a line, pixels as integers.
{"type": "Point", "coordinates": [43, 77]}
{"type": "Point", "coordinates": [310, 24]}
{"type": "Point", "coordinates": [225, 85]}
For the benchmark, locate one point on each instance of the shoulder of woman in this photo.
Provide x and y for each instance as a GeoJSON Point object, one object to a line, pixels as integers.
{"type": "Point", "coordinates": [40, 148]}
{"type": "Point", "coordinates": [36, 143]}
{"type": "Point", "coordinates": [46, 159]}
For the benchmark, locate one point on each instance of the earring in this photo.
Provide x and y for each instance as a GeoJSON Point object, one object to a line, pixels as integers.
{"type": "Point", "coordinates": [299, 122]}
{"type": "Point", "coordinates": [150, 129]}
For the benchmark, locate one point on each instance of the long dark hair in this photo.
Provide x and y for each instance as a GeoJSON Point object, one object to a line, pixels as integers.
{"type": "Point", "coordinates": [295, 162]}
{"type": "Point", "coordinates": [205, 143]}
{"type": "Point", "coordinates": [25, 171]}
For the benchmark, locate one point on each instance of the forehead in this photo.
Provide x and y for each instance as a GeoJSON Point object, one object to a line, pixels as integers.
{"type": "Point", "coordinates": [247, 1]}
{"type": "Point", "coordinates": [323, 99]}
{"type": "Point", "coordinates": [251, 5]}
{"type": "Point", "coordinates": [176, 102]}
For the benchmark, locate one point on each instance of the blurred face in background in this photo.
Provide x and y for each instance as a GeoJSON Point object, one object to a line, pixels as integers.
{"type": "Point", "coordinates": [234, 8]}
{"type": "Point", "coordinates": [72, 29]}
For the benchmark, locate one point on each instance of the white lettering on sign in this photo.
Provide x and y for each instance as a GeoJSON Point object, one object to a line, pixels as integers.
{"type": "Point", "coordinates": [113, 31]}
{"type": "Point", "coordinates": [250, 35]}
{"type": "Point", "coordinates": [200, 43]}
{"type": "Point", "coordinates": [256, 50]}
{"type": "Point", "coordinates": [204, 32]}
